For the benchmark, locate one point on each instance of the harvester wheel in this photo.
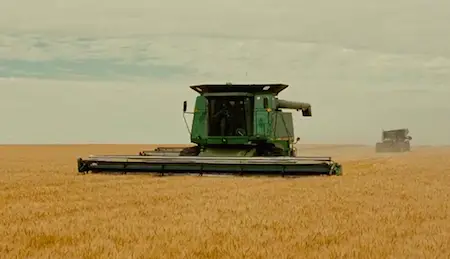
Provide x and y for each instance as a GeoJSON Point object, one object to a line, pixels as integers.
{"type": "Point", "coordinates": [293, 153]}
{"type": "Point", "coordinates": [190, 151]}
{"type": "Point", "coordinates": [270, 150]}
{"type": "Point", "coordinates": [408, 146]}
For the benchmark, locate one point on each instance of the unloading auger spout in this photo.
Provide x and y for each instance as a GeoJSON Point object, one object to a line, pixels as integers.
{"type": "Point", "coordinates": [304, 107]}
{"type": "Point", "coordinates": [237, 129]}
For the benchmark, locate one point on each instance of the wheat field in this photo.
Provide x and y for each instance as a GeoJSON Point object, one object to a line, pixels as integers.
{"type": "Point", "coordinates": [385, 206]}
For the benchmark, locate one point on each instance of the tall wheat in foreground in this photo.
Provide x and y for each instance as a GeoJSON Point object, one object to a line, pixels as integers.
{"type": "Point", "coordinates": [384, 206]}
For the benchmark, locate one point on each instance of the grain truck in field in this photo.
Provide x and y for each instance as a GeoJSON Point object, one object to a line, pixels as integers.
{"type": "Point", "coordinates": [396, 140]}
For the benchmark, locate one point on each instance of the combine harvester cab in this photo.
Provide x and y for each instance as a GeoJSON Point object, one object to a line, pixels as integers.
{"type": "Point", "coordinates": [394, 141]}
{"type": "Point", "coordinates": [236, 129]}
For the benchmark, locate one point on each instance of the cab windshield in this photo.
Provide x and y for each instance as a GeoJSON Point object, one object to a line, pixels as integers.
{"type": "Point", "coordinates": [230, 116]}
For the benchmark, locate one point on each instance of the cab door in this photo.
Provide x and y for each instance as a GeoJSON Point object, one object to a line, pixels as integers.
{"type": "Point", "coordinates": [262, 123]}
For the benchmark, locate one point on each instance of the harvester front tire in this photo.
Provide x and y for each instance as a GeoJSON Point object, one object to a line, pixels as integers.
{"type": "Point", "coordinates": [293, 153]}
{"type": "Point", "coordinates": [190, 151]}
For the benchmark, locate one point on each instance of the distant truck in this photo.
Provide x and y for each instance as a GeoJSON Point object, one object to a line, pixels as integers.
{"type": "Point", "coordinates": [396, 140]}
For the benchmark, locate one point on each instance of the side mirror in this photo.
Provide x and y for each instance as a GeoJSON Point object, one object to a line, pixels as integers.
{"type": "Point", "coordinates": [184, 106]}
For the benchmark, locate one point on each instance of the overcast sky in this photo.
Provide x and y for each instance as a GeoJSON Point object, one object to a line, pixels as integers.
{"type": "Point", "coordinates": [118, 71]}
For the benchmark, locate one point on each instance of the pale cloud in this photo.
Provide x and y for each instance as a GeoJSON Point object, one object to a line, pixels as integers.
{"type": "Point", "coordinates": [115, 71]}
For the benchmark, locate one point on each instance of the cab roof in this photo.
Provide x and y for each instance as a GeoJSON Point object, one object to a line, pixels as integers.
{"type": "Point", "coordinates": [247, 88]}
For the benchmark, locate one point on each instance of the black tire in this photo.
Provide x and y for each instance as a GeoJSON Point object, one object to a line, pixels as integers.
{"type": "Point", "coordinates": [293, 153]}
{"type": "Point", "coordinates": [190, 151]}
{"type": "Point", "coordinates": [408, 146]}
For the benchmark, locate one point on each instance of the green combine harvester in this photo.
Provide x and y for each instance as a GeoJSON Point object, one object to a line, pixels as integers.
{"type": "Point", "coordinates": [396, 140]}
{"type": "Point", "coordinates": [237, 129]}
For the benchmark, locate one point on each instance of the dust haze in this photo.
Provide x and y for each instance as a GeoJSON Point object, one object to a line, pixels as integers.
{"type": "Point", "coordinates": [118, 71]}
